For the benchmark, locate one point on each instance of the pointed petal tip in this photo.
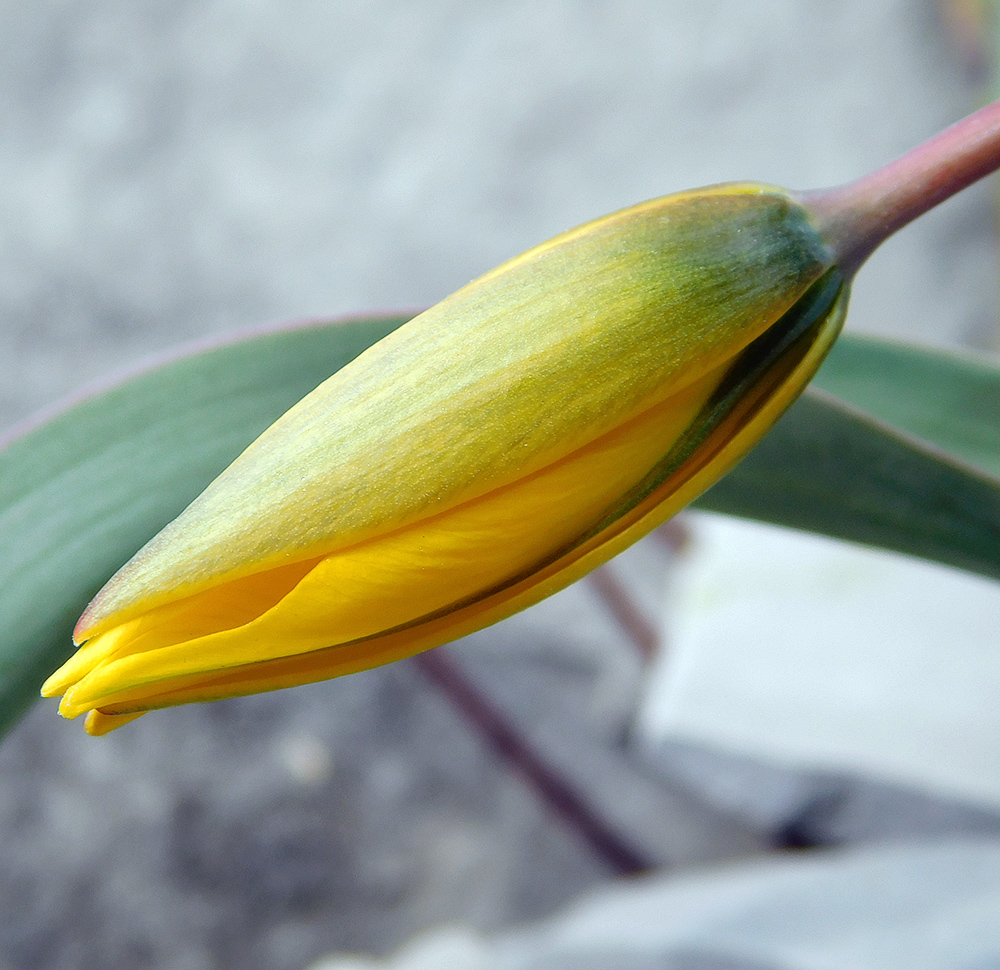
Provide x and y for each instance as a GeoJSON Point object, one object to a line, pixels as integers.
{"type": "Point", "coordinates": [84, 628]}
{"type": "Point", "coordinates": [98, 723]}
{"type": "Point", "coordinates": [57, 683]}
{"type": "Point", "coordinates": [67, 708]}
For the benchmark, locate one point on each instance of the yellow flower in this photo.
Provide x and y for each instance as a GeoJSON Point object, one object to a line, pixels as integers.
{"type": "Point", "coordinates": [483, 456]}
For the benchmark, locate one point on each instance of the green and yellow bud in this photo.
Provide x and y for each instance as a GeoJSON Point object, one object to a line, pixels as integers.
{"type": "Point", "coordinates": [481, 457]}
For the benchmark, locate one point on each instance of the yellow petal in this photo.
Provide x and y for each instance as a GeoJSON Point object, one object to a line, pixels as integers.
{"type": "Point", "coordinates": [513, 372]}
{"type": "Point", "coordinates": [400, 577]}
{"type": "Point", "coordinates": [482, 457]}
{"type": "Point", "coordinates": [422, 585]}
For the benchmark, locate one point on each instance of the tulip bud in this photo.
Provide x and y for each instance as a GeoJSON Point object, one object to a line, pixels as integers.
{"type": "Point", "coordinates": [481, 457]}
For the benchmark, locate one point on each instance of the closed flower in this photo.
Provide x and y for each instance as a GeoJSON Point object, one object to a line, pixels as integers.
{"type": "Point", "coordinates": [483, 456]}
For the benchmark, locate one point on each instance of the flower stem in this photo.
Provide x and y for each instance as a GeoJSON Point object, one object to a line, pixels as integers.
{"type": "Point", "coordinates": [627, 613]}
{"type": "Point", "coordinates": [516, 750]}
{"type": "Point", "coordinates": [855, 219]}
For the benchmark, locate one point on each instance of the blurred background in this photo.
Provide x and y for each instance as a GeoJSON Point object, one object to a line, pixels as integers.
{"type": "Point", "coordinates": [174, 171]}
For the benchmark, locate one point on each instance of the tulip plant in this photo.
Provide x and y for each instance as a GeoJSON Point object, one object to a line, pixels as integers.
{"type": "Point", "coordinates": [464, 464]}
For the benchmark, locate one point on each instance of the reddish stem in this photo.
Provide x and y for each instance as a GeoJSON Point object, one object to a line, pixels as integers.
{"type": "Point", "coordinates": [518, 752]}
{"type": "Point", "coordinates": [626, 612]}
{"type": "Point", "coordinates": [855, 218]}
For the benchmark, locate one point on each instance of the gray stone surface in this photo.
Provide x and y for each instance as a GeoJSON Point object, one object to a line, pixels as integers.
{"type": "Point", "coordinates": [176, 170]}
{"type": "Point", "coordinates": [902, 907]}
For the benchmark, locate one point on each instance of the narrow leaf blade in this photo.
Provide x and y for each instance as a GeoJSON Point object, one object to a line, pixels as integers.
{"type": "Point", "coordinates": [829, 468]}
{"type": "Point", "coordinates": [947, 398]}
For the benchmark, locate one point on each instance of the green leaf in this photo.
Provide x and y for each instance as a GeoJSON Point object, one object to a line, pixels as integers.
{"type": "Point", "coordinates": [80, 493]}
{"type": "Point", "coordinates": [842, 472]}
{"type": "Point", "coordinates": [947, 398]}
{"type": "Point", "coordinates": [828, 468]}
